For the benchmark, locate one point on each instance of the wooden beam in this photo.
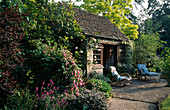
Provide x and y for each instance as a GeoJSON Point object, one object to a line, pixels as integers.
{"type": "Point", "coordinates": [109, 42]}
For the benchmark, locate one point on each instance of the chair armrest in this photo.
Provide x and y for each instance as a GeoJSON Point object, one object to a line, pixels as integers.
{"type": "Point", "coordinates": [126, 75]}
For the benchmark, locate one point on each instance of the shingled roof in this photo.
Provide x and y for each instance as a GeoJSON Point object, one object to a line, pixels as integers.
{"type": "Point", "coordinates": [99, 26]}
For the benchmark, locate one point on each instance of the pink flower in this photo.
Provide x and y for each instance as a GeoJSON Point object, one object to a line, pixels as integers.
{"type": "Point", "coordinates": [53, 105]}
{"type": "Point", "coordinates": [48, 85]}
{"type": "Point", "coordinates": [52, 98]}
{"type": "Point", "coordinates": [66, 77]}
{"type": "Point", "coordinates": [77, 93]}
{"type": "Point", "coordinates": [57, 88]}
{"type": "Point", "coordinates": [43, 83]}
{"type": "Point", "coordinates": [51, 81]}
{"type": "Point", "coordinates": [65, 90]}
{"type": "Point", "coordinates": [53, 88]}
{"type": "Point", "coordinates": [64, 54]}
{"type": "Point", "coordinates": [37, 95]}
{"type": "Point", "coordinates": [47, 93]}
{"type": "Point", "coordinates": [79, 72]}
{"type": "Point", "coordinates": [47, 105]}
{"type": "Point", "coordinates": [66, 94]}
{"type": "Point", "coordinates": [80, 84]}
{"type": "Point", "coordinates": [58, 102]}
{"type": "Point", "coordinates": [50, 91]}
{"type": "Point", "coordinates": [73, 63]}
{"type": "Point", "coordinates": [67, 103]}
{"type": "Point", "coordinates": [41, 87]}
{"type": "Point", "coordinates": [81, 80]}
{"type": "Point", "coordinates": [74, 82]}
{"type": "Point", "coordinates": [37, 89]}
{"type": "Point", "coordinates": [64, 106]}
{"type": "Point", "coordinates": [75, 71]}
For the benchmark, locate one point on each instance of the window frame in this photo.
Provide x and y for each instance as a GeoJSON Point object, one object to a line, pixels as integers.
{"type": "Point", "coordinates": [101, 55]}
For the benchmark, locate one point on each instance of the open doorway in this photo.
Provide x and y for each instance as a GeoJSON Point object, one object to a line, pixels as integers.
{"type": "Point", "coordinates": [109, 57]}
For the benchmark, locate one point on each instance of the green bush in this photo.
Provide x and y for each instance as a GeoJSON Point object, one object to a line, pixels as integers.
{"type": "Point", "coordinates": [126, 68]}
{"type": "Point", "coordinates": [11, 34]}
{"type": "Point", "coordinates": [88, 100]}
{"type": "Point", "coordinates": [166, 67]}
{"type": "Point", "coordinates": [55, 63]}
{"type": "Point", "coordinates": [99, 85]}
{"type": "Point", "coordinates": [96, 75]}
{"type": "Point", "coordinates": [21, 99]}
{"type": "Point", "coordinates": [145, 49]}
{"type": "Point", "coordinates": [49, 25]}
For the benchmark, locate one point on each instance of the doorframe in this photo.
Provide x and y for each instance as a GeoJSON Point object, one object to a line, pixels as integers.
{"type": "Point", "coordinates": [116, 56]}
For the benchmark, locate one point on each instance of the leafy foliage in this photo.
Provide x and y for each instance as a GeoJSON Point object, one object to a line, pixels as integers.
{"type": "Point", "coordinates": [96, 75]}
{"type": "Point", "coordinates": [10, 40]}
{"type": "Point", "coordinates": [92, 100]}
{"type": "Point", "coordinates": [127, 66]}
{"type": "Point", "coordinates": [99, 85]}
{"type": "Point", "coordinates": [145, 50]}
{"type": "Point", "coordinates": [166, 63]}
{"type": "Point", "coordinates": [21, 99]}
{"type": "Point", "coordinates": [50, 25]}
{"type": "Point", "coordinates": [116, 12]}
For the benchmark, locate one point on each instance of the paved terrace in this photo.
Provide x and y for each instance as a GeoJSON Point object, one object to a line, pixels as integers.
{"type": "Point", "coordinates": [140, 95]}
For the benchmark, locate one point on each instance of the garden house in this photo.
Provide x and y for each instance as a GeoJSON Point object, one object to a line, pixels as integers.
{"type": "Point", "coordinates": [112, 42]}
{"type": "Point", "coordinates": [111, 48]}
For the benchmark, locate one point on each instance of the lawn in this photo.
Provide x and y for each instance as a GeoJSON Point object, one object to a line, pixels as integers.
{"type": "Point", "coordinates": [165, 104]}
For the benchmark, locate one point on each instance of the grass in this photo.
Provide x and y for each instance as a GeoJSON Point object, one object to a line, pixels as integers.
{"type": "Point", "coordinates": [165, 104]}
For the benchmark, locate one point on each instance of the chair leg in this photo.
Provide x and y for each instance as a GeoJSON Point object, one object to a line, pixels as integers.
{"type": "Point", "coordinates": [157, 79]}
{"type": "Point", "coordinates": [148, 78]}
{"type": "Point", "coordinates": [127, 82]}
{"type": "Point", "coordinates": [120, 83]}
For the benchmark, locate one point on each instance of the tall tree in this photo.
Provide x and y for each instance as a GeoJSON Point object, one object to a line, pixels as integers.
{"type": "Point", "coordinates": [116, 11]}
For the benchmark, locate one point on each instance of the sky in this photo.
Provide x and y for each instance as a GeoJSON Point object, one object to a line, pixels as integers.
{"type": "Point", "coordinates": [135, 10]}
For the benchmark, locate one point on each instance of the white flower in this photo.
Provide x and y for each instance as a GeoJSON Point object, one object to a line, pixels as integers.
{"type": "Point", "coordinates": [76, 47]}
{"type": "Point", "coordinates": [81, 51]}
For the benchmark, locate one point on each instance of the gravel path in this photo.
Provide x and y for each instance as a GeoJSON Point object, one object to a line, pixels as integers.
{"type": "Point", "coordinates": [140, 95]}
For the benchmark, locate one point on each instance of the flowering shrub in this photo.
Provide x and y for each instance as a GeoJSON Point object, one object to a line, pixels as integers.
{"type": "Point", "coordinates": [49, 97]}
{"type": "Point", "coordinates": [71, 72]}
{"type": "Point", "coordinates": [55, 63]}
{"type": "Point", "coordinates": [10, 36]}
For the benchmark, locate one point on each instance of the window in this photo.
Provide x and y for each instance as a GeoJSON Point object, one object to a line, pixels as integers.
{"type": "Point", "coordinates": [97, 56]}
